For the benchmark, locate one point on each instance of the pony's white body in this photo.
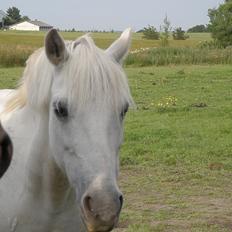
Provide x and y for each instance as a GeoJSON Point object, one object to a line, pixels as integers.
{"type": "Point", "coordinates": [50, 187]}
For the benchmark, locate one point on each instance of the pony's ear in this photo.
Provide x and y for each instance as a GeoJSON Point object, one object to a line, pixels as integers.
{"type": "Point", "coordinates": [55, 47]}
{"type": "Point", "coordinates": [119, 49]}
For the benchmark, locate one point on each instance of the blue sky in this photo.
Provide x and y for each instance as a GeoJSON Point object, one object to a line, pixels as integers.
{"type": "Point", "coordinates": [114, 14]}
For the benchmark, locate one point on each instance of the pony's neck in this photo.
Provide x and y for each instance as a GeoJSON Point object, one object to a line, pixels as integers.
{"type": "Point", "coordinates": [46, 181]}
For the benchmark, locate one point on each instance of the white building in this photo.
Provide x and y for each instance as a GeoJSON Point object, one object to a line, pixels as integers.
{"type": "Point", "coordinates": [31, 26]}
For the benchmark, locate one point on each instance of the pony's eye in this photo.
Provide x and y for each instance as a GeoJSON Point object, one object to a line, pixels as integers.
{"type": "Point", "coordinates": [60, 109]}
{"type": "Point", "coordinates": [124, 111]}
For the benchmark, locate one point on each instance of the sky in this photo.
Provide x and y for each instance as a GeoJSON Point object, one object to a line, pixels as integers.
{"type": "Point", "coordinates": [114, 14]}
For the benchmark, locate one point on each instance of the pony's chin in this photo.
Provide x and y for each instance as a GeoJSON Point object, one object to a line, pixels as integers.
{"type": "Point", "coordinates": [93, 228]}
{"type": "Point", "coordinates": [100, 229]}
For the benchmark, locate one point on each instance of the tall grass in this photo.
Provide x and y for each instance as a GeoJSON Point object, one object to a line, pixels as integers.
{"type": "Point", "coordinates": [14, 55]}
{"type": "Point", "coordinates": [167, 56]}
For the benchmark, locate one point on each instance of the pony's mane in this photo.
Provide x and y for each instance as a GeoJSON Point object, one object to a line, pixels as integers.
{"type": "Point", "coordinates": [89, 73]}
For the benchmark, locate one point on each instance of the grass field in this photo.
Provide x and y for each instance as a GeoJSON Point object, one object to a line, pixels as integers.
{"type": "Point", "coordinates": [15, 47]}
{"type": "Point", "coordinates": [177, 157]}
{"type": "Point", "coordinates": [103, 40]}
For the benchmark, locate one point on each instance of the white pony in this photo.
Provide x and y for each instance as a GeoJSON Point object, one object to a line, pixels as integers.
{"type": "Point", "coordinates": [66, 124]}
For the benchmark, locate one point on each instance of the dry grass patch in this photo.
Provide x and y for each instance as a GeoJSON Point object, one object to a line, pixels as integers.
{"type": "Point", "coordinates": [155, 201]}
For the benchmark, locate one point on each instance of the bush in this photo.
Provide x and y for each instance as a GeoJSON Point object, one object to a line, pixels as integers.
{"type": "Point", "coordinates": [150, 32]}
{"type": "Point", "coordinates": [179, 34]}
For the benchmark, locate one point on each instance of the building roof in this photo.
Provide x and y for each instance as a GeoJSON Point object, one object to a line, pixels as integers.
{"type": "Point", "coordinates": [39, 23]}
{"type": "Point", "coordinates": [2, 15]}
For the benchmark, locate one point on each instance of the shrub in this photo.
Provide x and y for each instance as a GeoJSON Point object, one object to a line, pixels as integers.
{"type": "Point", "coordinates": [179, 34]}
{"type": "Point", "coordinates": [150, 32]}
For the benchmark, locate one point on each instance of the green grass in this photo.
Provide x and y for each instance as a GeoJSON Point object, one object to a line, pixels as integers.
{"type": "Point", "coordinates": [177, 156]}
{"type": "Point", "coordinates": [195, 131]}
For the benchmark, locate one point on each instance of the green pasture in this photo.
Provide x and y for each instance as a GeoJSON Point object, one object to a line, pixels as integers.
{"type": "Point", "coordinates": [176, 160]}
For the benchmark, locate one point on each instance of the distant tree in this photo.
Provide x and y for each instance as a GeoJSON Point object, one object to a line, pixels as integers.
{"type": "Point", "coordinates": [13, 16]}
{"type": "Point", "coordinates": [150, 32]}
{"type": "Point", "coordinates": [25, 18]}
{"type": "Point", "coordinates": [179, 34]}
{"type": "Point", "coordinates": [221, 23]}
{"type": "Point", "coordinates": [140, 31]}
{"type": "Point", "coordinates": [14, 13]}
{"type": "Point", "coordinates": [165, 32]}
{"type": "Point", "coordinates": [198, 29]}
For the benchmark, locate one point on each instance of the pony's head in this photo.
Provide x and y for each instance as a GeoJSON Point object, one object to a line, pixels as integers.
{"type": "Point", "coordinates": [6, 151]}
{"type": "Point", "coordinates": [86, 93]}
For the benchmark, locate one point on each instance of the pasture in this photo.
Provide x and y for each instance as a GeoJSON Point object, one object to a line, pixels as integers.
{"type": "Point", "coordinates": [176, 159]}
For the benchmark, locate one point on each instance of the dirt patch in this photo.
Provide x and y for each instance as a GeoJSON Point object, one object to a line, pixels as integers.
{"type": "Point", "coordinates": [168, 206]}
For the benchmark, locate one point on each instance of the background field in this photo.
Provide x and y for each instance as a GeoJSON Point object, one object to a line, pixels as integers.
{"type": "Point", "coordinates": [35, 39]}
{"type": "Point", "coordinates": [15, 46]}
{"type": "Point", "coordinates": [177, 156]}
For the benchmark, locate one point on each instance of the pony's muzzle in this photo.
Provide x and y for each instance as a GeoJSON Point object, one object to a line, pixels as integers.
{"type": "Point", "coordinates": [101, 209]}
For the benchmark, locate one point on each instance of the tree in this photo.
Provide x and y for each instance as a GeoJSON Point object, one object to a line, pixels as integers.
{"type": "Point", "coordinates": [198, 29]}
{"type": "Point", "coordinates": [165, 32]}
{"type": "Point", "coordinates": [221, 23]}
{"type": "Point", "coordinates": [13, 16]}
{"type": "Point", "coordinates": [150, 32]}
{"type": "Point", "coordinates": [25, 18]}
{"type": "Point", "coordinates": [179, 34]}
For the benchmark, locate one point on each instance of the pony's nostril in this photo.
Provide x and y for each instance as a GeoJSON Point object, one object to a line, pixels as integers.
{"type": "Point", "coordinates": [121, 201]}
{"type": "Point", "coordinates": [87, 203]}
